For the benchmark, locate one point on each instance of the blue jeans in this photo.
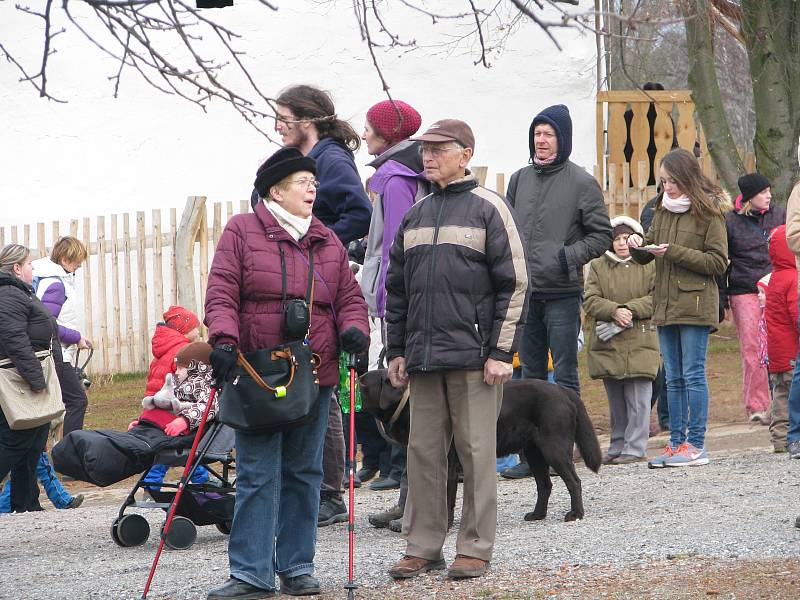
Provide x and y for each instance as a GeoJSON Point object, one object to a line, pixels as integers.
{"type": "Point", "coordinates": [58, 495]}
{"type": "Point", "coordinates": [552, 325]}
{"type": "Point", "coordinates": [683, 348]}
{"type": "Point", "coordinates": [277, 500]}
{"type": "Point", "coordinates": [793, 435]}
{"type": "Point", "coordinates": [158, 471]}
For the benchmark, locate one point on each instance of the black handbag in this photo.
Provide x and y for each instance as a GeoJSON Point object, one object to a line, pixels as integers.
{"type": "Point", "coordinates": [274, 389]}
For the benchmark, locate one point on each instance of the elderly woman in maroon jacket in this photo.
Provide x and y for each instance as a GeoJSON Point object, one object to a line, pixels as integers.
{"type": "Point", "coordinates": [279, 474]}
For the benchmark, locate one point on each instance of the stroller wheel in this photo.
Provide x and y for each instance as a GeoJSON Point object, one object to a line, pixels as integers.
{"type": "Point", "coordinates": [182, 534]}
{"type": "Point", "coordinates": [224, 527]}
{"type": "Point", "coordinates": [130, 530]}
{"type": "Point", "coordinates": [114, 535]}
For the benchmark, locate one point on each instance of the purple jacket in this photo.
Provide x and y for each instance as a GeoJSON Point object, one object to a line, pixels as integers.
{"type": "Point", "coordinates": [53, 299]}
{"type": "Point", "coordinates": [398, 183]}
{"type": "Point", "coordinates": [243, 298]}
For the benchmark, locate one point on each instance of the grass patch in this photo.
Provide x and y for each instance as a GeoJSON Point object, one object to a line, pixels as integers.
{"type": "Point", "coordinates": [115, 400]}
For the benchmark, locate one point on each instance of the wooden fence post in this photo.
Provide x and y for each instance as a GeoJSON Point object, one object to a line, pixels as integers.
{"type": "Point", "coordinates": [480, 173]}
{"type": "Point", "coordinates": [191, 218]}
{"type": "Point", "coordinates": [141, 278]}
{"type": "Point", "coordinates": [116, 331]}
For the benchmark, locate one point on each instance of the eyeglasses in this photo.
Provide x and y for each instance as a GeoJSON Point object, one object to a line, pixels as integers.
{"type": "Point", "coordinates": [436, 149]}
{"type": "Point", "coordinates": [305, 182]}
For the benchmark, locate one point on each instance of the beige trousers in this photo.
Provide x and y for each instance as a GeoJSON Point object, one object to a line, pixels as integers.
{"type": "Point", "coordinates": [451, 406]}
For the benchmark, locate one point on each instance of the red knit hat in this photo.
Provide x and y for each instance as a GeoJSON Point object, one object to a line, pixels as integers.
{"type": "Point", "coordinates": [180, 319]}
{"type": "Point", "coordinates": [389, 125]}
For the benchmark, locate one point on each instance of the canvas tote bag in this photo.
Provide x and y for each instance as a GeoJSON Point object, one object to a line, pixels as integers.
{"type": "Point", "coordinates": [24, 408]}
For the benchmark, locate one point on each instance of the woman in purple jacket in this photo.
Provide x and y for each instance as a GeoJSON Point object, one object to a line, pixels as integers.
{"type": "Point", "coordinates": [279, 474]}
{"type": "Point", "coordinates": [398, 182]}
{"type": "Point", "coordinates": [54, 283]}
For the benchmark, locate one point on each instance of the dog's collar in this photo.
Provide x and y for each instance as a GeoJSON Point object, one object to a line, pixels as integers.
{"type": "Point", "coordinates": [400, 406]}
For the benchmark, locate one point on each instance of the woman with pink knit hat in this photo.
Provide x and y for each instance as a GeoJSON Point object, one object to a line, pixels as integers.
{"type": "Point", "coordinates": [398, 182]}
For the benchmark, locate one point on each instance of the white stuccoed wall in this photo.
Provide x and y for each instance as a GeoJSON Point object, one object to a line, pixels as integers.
{"type": "Point", "coordinates": [100, 155]}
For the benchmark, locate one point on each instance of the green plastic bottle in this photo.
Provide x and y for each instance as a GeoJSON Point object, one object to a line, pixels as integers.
{"type": "Point", "coordinates": [344, 384]}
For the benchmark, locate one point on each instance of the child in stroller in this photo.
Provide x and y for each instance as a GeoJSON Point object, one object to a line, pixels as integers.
{"type": "Point", "coordinates": [178, 406]}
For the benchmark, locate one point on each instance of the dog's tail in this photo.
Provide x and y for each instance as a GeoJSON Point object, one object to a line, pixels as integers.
{"type": "Point", "coordinates": [585, 436]}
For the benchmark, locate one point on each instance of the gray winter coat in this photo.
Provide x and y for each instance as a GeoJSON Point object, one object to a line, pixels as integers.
{"type": "Point", "coordinates": [564, 223]}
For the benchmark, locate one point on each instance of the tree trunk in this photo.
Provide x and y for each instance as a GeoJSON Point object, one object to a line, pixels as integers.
{"type": "Point", "coordinates": [771, 30]}
{"type": "Point", "coordinates": [707, 98]}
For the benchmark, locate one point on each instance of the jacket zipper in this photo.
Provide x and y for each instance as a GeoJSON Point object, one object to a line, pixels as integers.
{"type": "Point", "coordinates": [429, 299]}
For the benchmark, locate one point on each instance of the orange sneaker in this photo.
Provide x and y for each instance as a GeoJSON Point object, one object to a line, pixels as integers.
{"type": "Point", "coordinates": [658, 461]}
{"type": "Point", "coordinates": [687, 456]}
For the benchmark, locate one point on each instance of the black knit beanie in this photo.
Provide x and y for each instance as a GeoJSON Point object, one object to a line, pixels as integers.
{"type": "Point", "coordinates": [752, 184]}
{"type": "Point", "coordinates": [279, 166]}
{"type": "Point", "coordinates": [557, 116]}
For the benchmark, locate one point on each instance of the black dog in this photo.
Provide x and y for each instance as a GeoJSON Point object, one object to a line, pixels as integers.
{"type": "Point", "coordinates": [543, 419]}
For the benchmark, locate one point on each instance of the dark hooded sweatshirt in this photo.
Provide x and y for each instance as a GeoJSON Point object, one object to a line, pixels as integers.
{"type": "Point", "coordinates": [562, 216]}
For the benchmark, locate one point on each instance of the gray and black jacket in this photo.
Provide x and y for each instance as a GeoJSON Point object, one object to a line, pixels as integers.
{"type": "Point", "coordinates": [457, 281]}
{"type": "Point", "coordinates": [561, 212]}
{"type": "Point", "coordinates": [564, 222]}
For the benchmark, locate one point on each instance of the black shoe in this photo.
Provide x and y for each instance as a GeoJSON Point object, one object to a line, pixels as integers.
{"type": "Point", "coordinates": [301, 585]}
{"type": "Point", "coordinates": [521, 471]}
{"type": "Point", "coordinates": [366, 473]}
{"type": "Point", "coordinates": [331, 510]}
{"type": "Point", "coordinates": [356, 482]}
{"type": "Point", "coordinates": [241, 590]}
{"type": "Point", "coordinates": [75, 502]}
{"type": "Point", "coordinates": [384, 483]}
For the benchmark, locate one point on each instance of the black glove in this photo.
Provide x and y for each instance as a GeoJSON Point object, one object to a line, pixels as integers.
{"type": "Point", "coordinates": [223, 359]}
{"type": "Point", "coordinates": [354, 341]}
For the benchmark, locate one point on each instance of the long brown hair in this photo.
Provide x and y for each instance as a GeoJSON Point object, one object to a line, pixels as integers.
{"type": "Point", "coordinates": [309, 102]}
{"type": "Point", "coordinates": [707, 198]}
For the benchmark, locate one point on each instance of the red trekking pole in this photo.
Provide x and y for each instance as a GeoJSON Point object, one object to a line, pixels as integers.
{"type": "Point", "coordinates": [351, 586]}
{"type": "Point", "coordinates": [187, 469]}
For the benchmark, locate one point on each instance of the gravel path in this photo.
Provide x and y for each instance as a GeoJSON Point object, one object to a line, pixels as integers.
{"type": "Point", "coordinates": [740, 507]}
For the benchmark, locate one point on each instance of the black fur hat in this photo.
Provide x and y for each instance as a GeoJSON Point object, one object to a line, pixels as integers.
{"type": "Point", "coordinates": [279, 166]}
{"type": "Point", "coordinates": [752, 184]}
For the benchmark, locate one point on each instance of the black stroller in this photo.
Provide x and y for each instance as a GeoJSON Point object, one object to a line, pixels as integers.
{"type": "Point", "coordinates": [209, 503]}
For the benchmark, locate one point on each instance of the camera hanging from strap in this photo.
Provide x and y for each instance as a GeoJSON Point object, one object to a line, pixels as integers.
{"type": "Point", "coordinates": [297, 311]}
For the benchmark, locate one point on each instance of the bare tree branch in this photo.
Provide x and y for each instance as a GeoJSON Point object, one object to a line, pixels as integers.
{"type": "Point", "coordinates": [49, 34]}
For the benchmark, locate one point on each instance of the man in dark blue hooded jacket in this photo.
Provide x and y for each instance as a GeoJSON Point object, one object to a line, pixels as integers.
{"type": "Point", "coordinates": [565, 224]}
{"type": "Point", "coordinates": [306, 118]}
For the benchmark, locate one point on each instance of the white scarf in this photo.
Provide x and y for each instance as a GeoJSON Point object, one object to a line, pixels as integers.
{"type": "Point", "coordinates": [676, 205]}
{"type": "Point", "coordinates": [616, 257]}
{"type": "Point", "coordinates": [295, 226]}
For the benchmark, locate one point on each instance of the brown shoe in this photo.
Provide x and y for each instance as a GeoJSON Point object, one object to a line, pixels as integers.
{"type": "Point", "coordinates": [609, 459]}
{"type": "Point", "coordinates": [626, 459]}
{"type": "Point", "coordinates": [411, 566]}
{"type": "Point", "coordinates": [467, 566]}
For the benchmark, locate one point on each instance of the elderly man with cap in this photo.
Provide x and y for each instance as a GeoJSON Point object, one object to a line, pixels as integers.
{"type": "Point", "coordinates": [749, 226]}
{"type": "Point", "coordinates": [456, 300]}
{"type": "Point", "coordinates": [565, 225]}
